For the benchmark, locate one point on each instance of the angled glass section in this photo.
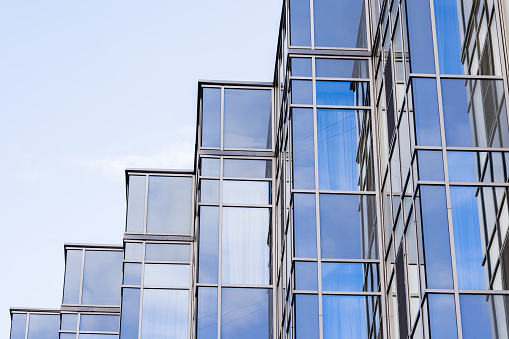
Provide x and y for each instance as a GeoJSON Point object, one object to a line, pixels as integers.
{"type": "Point", "coordinates": [303, 148]}
{"type": "Point", "coordinates": [449, 36]}
{"type": "Point", "coordinates": [425, 105]}
{"type": "Point", "coordinates": [130, 313]}
{"type": "Point", "coordinates": [209, 245]}
{"type": "Point", "coordinates": [72, 278]}
{"type": "Point", "coordinates": [18, 325]}
{"type": "Point", "coordinates": [102, 278]}
{"type": "Point", "coordinates": [300, 23]}
{"type": "Point", "coordinates": [207, 313]}
{"type": "Point", "coordinates": [420, 38]}
{"type": "Point", "coordinates": [136, 203]}
{"type": "Point", "coordinates": [211, 118]}
{"type": "Point", "coordinates": [304, 223]}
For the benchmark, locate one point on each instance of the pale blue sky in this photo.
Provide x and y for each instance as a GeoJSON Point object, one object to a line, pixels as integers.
{"type": "Point", "coordinates": [88, 88]}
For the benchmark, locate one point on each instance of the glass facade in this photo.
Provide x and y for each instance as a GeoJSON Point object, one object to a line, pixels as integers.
{"type": "Point", "coordinates": [361, 194]}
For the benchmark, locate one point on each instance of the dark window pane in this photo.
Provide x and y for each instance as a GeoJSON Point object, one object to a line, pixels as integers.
{"type": "Point", "coordinates": [300, 23]}
{"type": "Point", "coordinates": [306, 316]}
{"type": "Point", "coordinates": [207, 313]}
{"type": "Point", "coordinates": [245, 313]}
{"type": "Point", "coordinates": [167, 252]}
{"type": "Point", "coordinates": [342, 68]}
{"type": "Point", "coordinates": [136, 204]}
{"type": "Point", "coordinates": [169, 205]}
{"type": "Point", "coordinates": [419, 37]}
{"type": "Point", "coordinates": [475, 316]}
{"type": "Point", "coordinates": [132, 274]}
{"type": "Point", "coordinates": [244, 168]}
{"type": "Point", "coordinates": [340, 23]}
{"type": "Point", "coordinates": [69, 322]}
{"type": "Point", "coordinates": [301, 67]}
{"type": "Point", "coordinates": [436, 237]}
{"type": "Point", "coordinates": [304, 223]}
{"type": "Point", "coordinates": [448, 37]}
{"type": "Point", "coordinates": [209, 191]}
{"type": "Point", "coordinates": [347, 276]}
{"type": "Point", "coordinates": [302, 92]}
{"type": "Point", "coordinates": [102, 278]}
{"type": "Point", "coordinates": [247, 118]}
{"type": "Point", "coordinates": [427, 124]}
{"type": "Point", "coordinates": [72, 279]}
{"type": "Point", "coordinates": [306, 275]}
{"type": "Point", "coordinates": [456, 117]}
{"type": "Point", "coordinates": [99, 323]}
{"type": "Point", "coordinates": [342, 93]}
{"type": "Point", "coordinates": [211, 119]}
{"type": "Point", "coordinates": [210, 167]}
{"type": "Point", "coordinates": [461, 166]}
{"type": "Point", "coordinates": [18, 325]}
{"type": "Point", "coordinates": [130, 313]}
{"type": "Point", "coordinates": [430, 164]}
{"type": "Point", "coordinates": [209, 244]}
{"type": "Point", "coordinates": [43, 326]}
{"type": "Point", "coordinates": [344, 317]}
{"type": "Point", "coordinates": [303, 148]}
{"type": "Point", "coordinates": [442, 316]}
{"type": "Point", "coordinates": [337, 149]}
{"type": "Point", "coordinates": [467, 238]}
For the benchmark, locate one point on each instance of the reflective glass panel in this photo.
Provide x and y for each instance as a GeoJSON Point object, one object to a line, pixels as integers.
{"type": "Point", "coordinates": [442, 316]}
{"type": "Point", "coordinates": [304, 223]}
{"type": "Point", "coordinates": [68, 336]}
{"type": "Point", "coordinates": [456, 115]}
{"type": "Point", "coordinates": [97, 336]}
{"type": "Point", "coordinates": [475, 316]}
{"type": "Point", "coordinates": [132, 274]}
{"type": "Point", "coordinates": [342, 68]}
{"type": "Point", "coordinates": [165, 314]}
{"type": "Point", "coordinates": [302, 92]}
{"type": "Point", "coordinates": [306, 316]}
{"type": "Point", "coordinates": [420, 37]}
{"type": "Point", "coordinates": [300, 23]}
{"type": "Point", "coordinates": [461, 166]}
{"type": "Point", "coordinates": [430, 165]}
{"type": "Point", "coordinates": [245, 313]}
{"type": "Point", "coordinates": [167, 252]}
{"type": "Point", "coordinates": [211, 118]}
{"type": "Point", "coordinates": [246, 192]}
{"type": "Point", "coordinates": [344, 317]}
{"type": "Point", "coordinates": [69, 322]}
{"type": "Point", "coordinates": [102, 278]}
{"type": "Point", "coordinates": [209, 191]}
{"type": "Point", "coordinates": [247, 118]}
{"type": "Point", "coordinates": [136, 204]}
{"type": "Point", "coordinates": [245, 253]}
{"type": "Point", "coordinates": [425, 104]}
{"type": "Point", "coordinates": [18, 325]}
{"type": "Point", "coordinates": [166, 275]}
{"type": "Point", "coordinates": [301, 67]}
{"type": "Point", "coordinates": [72, 279]}
{"type": "Point", "coordinates": [209, 244]}
{"type": "Point", "coordinates": [99, 322]}
{"type": "Point", "coordinates": [342, 93]}
{"type": "Point", "coordinates": [133, 251]}
{"type": "Point", "coordinates": [210, 167]}
{"type": "Point", "coordinates": [306, 275]}
{"type": "Point", "coordinates": [340, 23]}
{"type": "Point", "coordinates": [303, 148]}
{"type": "Point", "coordinates": [130, 313]}
{"type": "Point", "coordinates": [43, 326]}
{"type": "Point", "coordinates": [169, 205]}
{"type": "Point", "coordinates": [347, 276]}
{"type": "Point", "coordinates": [449, 37]}
{"type": "Point", "coordinates": [207, 313]}
{"type": "Point", "coordinates": [247, 168]}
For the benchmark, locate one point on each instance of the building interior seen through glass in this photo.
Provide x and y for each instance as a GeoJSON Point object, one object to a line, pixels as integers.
{"type": "Point", "coordinates": [363, 193]}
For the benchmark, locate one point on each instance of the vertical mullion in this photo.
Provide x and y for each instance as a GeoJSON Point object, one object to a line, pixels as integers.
{"type": "Point", "coordinates": [82, 276]}
{"type": "Point", "coordinates": [145, 212]}
{"type": "Point", "coordinates": [220, 227]}
{"type": "Point", "coordinates": [26, 326]}
{"type": "Point", "coordinates": [222, 118]}
{"type": "Point", "coordinates": [78, 326]}
{"type": "Point", "coordinates": [140, 311]}
{"type": "Point", "coordinates": [312, 23]}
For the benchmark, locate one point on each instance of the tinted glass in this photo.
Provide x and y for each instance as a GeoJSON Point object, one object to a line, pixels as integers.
{"type": "Point", "coordinates": [18, 326]}
{"type": "Point", "coordinates": [343, 276]}
{"type": "Point", "coordinates": [245, 313]}
{"type": "Point", "coordinates": [136, 204]}
{"type": "Point", "coordinates": [166, 275]}
{"type": "Point", "coordinates": [419, 37]}
{"type": "Point", "coordinates": [130, 313]}
{"type": "Point", "coordinates": [342, 68]}
{"type": "Point", "coordinates": [461, 166]}
{"type": "Point", "coordinates": [427, 124]}
{"type": "Point", "coordinates": [306, 275]}
{"type": "Point", "coordinates": [209, 244]}
{"type": "Point", "coordinates": [340, 23]}
{"type": "Point", "coordinates": [167, 252]}
{"type": "Point", "coordinates": [133, 251]}
{"type": "Point", "coordinates": [306, 316]}
{"type": "Point", "coordinates": [68, 336]}
{"type": "Point", "coordinates": [102, 278]}
{"type": "Point", "coordinates": [169, 205]}
{"type": "Point", "coordinates": [210, 167]}
{"type": "Point", "coordinates": [132, 274]}
{"type": "Point", "coordinates": [442, 316]}
{"type": "Point", "coordinates": [342, 93]}
{"type": "Point", "coordinates": [247, 118]}
{"type": "Point", "coordinates": [165, 314]}
{"type": "Point", "coordinates": [207, 313]}
{"type": "Point", "coordinates": [344, 317]}
{"type": "Point", "coordinates": [300, 23]}
{"type": "Point", "coordinates": [430, 164]}
{"type": "Point", "coordinates": [242, 168]}
{"type": "Point", "coordinates": [448, 36]}
{"type": "Point", "coordinates": [43, 326]}
{"type": "Point", "coordinates": [69, 322]}
{"type": "Point", "coordinates": [304, 223]}
{"type": "Point", "coordinates": [100, 323]}
{"type": "Point", "coordinates": [209, 191]}
{"type": "Point", "coordinates": [303, 148]}
{"type": "Point", "coordinates": [211, 119]}
{"type": "Point", "coordinates": [301, 67]}
{"type": "Point", "coordinates": [302, 92]}
{"type": "Point", "coordinates": [475, 316]}
{"type": "Point", "coordinates": [456, 114]}
{"type": "Point", "coordinates": [72, 279]}
{"type": "Point", "coordinates": [246, 192]}
{"type": "Point", "coordinates": [97, 336]}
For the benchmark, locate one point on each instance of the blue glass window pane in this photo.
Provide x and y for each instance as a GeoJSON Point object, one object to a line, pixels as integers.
{"type": "Point", "coordinates": [430, 164]}
{"type": "Point", "coordinates": [136, 204]}
{"type": "Point", "coordinates": [169, 205]}
{"type": "Point", "coordinates": [442, 316]}
{"type": "Point", "coordinates": [461, 166]}
{"type": "Point", "coordinates": [130, 313]}
{"type": "Point", "coordinates": [72, 279]}
{"type": "Point", "coordinates": [304, 223]}
{"type": "Point", "coordinates": [344, 317]}
{"type": "Point", "coordinates": [132, 274]}
{"type": "Point", "coordinates": [303, 148]}
{"type": "Point", "coordinates": [246, 192]}
{"type": "Point", "coordinates": [427, 124]}
{"type": "Point", "coordinates": [300, 23]}
{"type": "Point", "coordinates": [69, 322]}
{"type": "Point", "coordinates": [301, 67]}
{"type": "Point", "coordinates": [456, 117]}
{"type": "Point", "coordinates": [340, 23]}
{"type": "Point", "coordinates": [209, 244]}
{"type": "Point", "coordinates": [133, 251]}
{"type": "Point", "coordinates": [343, 276]}
{"type": "Point", "coordinates": [245, 313]}
{"type": "Point", "coordinates": [436, 237]}
{"type": "Point", "coordinates": [207, 313]}
{"type": "Point", "coordinates": [475, 316]}
{"type": "Point", "coordinates": [342, 93]}
{"type": "Point", "coordinates": [302, 92]}
{"type": "Point", "coordinates": [210, 167]}
{"type": "Point", "coordinates": [306, 276]}
{"type": "Point", "coordinates": [243, 168]}
{"type": "Point", "coordinates": [448, 37]}
{"type": "Point", "coordinates": [247, 118]}
{"type": "Point", "coordinates": [165, 314]}
{"type": "Point", "coordinates": [340, 237]}
{"type": "Point", "coordinates": [306, 316]}
{"type": "Point", "coordinates": [166, 275]}
{"type": "Point", "coordinates": [209, 191]}
{"type": "Point", "coordinates": [97, 336]}
{"type": "Point", "coordinates": [467, 238]}
{"type": "Point", "coordinates": [43, 326]}
{"type": "Point", "coordinates": [18, 325]}
{"type": "Point", "coordinates": [68, 336]}
{"type": "Point", "coordinates": [99, 323]}
{"type": "Point", "coordinates": [211, 118]}
{"type": "Point", "coordinates": [342, 68]}
{"type": "Point", "coordinates": [419, 37]}
{"type": "Point", "coordinates": [167, 252]}
{"type": "Point", "coordinates": [337, 149]}
{"type": "Point", "coordinates": [102, 278]}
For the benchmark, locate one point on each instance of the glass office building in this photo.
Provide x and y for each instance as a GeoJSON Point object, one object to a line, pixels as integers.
{"type": "Point", "coordinates": [360, 194]}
